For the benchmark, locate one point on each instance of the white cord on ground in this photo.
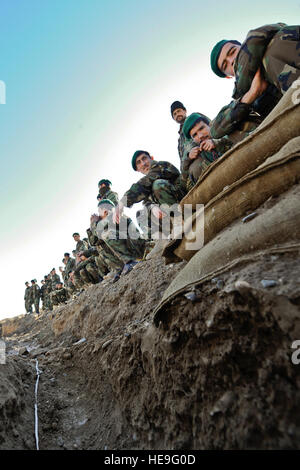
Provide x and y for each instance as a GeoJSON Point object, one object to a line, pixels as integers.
{"type": "Point", "coordinates": [38, 373]}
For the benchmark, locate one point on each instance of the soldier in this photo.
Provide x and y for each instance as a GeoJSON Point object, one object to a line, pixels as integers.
{"type": "Point", "coordinates": [106, 193]}
{"type": "Point", "coordinates": [207, 150]}
{"type": "Point", "coordinates": [60, 294]}
{"type": "Point", "coordinates": [69, 266]}
{"type": "Point", "coordinates": [161, 184]}
{"type": "Point", "coordinates": [48, 290]}
{"type": "Point", "coordinates": [43, 293]}
{"type": "Point", "coordinates": [123, 238]}
{"type": "Point", "coordinates": [178, 113]}
{"type": "Point", "coordinates": [28, 298]}
{"type": "Point", "coordinates": [35, 292]}
{"type": "Point", "coordinates": [106, 261]}
{"type": "Point", "coordinates": [81, 245]}
{"type": "Point", "coordinates": [87, 268]}
{"type": "Point", "coordinates": [264, 67]}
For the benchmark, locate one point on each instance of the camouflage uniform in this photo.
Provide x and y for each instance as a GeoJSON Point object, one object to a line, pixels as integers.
{"type": "Point", "coordinates": [81, 245]}
{"type": "Point", "coordinates": [55, 279]}
{"type": "Point", "coordinates": [28, 300]}
{"type": "Point", "coordinates": [48, 289]}
{"type": "Point", "coordinates": [35, 292]}
{"type": "Point", "coordinates": [69, 267]}
{"type": "Point", "coordinates": [192, 169]}
{"type": "Point", "coordinates": [60, 296]}
{"type": "Point", "coordinates": [106, 260]}
{"type": "Point", "coordinates": [162, 185]}
{"type": "Point", "coordinates": [275, 49]}
{"type": "Point", "coordinates": [107, 193]}
{"type": "Point", "coordinates": [43, 295]}
{"type": "Point", "coordinates": [123, 240]}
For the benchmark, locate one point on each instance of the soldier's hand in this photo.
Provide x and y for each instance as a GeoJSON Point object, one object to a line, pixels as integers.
{"type": "Point", "coordinates": [194, 153]}
{"type": "Point", "coordinates": [207, 145]}
{"type": "Point", "coordinates": [258, 87]}
{"type": "Point", "coordinates": [157, 212]}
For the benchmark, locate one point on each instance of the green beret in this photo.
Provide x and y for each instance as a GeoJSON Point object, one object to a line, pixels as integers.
{"type": "Point", "coordinates": [214, 56]}
{"type": "Point", "coordinates": [135, 155]}
{"type": "Point", "coordinates": [190, 122]}
{"type": "Point", "coordinates": [107, 182]}
{"type": "Point", "coordinates": [106, 201]}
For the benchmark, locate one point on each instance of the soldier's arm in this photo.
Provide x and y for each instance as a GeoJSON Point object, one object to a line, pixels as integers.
{"type": "Point", "coordinates": [223, 144]}
{"type": "Point", "coordinates": [250, 56]}
{"type": "Point", "coordinates": [228, 119]}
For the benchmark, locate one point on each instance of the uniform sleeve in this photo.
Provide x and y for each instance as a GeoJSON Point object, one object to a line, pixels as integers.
{"type": "Point", "coordinates": [228, 119]}
{"type": "Point", "coordinates": [223, 144]}
{"type": "Point", "coordinates": [250, 56]}
{"type": "Point", "coordinates": [141, 190]}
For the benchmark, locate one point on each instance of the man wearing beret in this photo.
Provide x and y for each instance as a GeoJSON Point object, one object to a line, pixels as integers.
{"type": "Point", "coordinates": [264, 67]}
{"type": "Point", "coordinates": [197, 128]}
{"type": "Point", "coordinates": [161, 184]}
{"type": "Point", "coordinates": [178, 113]}
{"type": "Point", "coordinates": [81, 245]}
{"type": "Point", "coordinates": [121, 238]}
{"type": "Point", "coordinates": [105, 192]}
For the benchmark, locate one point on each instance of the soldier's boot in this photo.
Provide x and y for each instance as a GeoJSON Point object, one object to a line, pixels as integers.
{"type": "Point", "coordinates": [129, 266]}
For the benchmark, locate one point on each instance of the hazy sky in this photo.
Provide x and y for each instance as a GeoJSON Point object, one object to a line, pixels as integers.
{"type": "Point", "coordinates": [87, 83]}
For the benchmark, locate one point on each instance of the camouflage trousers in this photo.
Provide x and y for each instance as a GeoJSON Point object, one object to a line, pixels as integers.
{"type": "Point", "coordinates": [59, 296]}
{"type": "Point", "coordinates": [47, 303]}
{"type": "Point", "coordinates": [36, 303]}
{"type": "Point", "coordinates": [86, 273]}
{"type": "Point", "coordinates": [28, 306]}
{"type": "Point", "coordinates": [282, 58]}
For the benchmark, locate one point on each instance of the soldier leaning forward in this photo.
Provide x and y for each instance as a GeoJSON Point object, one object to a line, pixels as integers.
{"type": "Point", "coordinates": [264, 67]}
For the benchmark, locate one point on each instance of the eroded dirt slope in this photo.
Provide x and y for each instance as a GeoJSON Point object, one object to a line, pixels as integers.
{"type": "Point", "coordinates": [215, 374]}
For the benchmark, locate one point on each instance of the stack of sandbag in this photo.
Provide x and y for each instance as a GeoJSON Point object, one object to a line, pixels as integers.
{"type": "Point", "coordinates": [264, 165]}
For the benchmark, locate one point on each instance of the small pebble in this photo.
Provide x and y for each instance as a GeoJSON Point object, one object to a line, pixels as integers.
{"type": "Point", "coordinates": [220, 284]}
{"type": "Point", "coordinates": [191, 296]}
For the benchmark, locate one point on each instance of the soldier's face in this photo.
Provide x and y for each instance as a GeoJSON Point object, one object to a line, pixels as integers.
{"type": "Point", "coordinates": [200, 132]}
{"type": "Point", "coordinates": [227, 58]}
{"type": "Point", "coordinates": [179, 115]}
{"type": "Point", "coordinates": [143, 163]}
{"type": "Point", "coordinates": [76, 238]}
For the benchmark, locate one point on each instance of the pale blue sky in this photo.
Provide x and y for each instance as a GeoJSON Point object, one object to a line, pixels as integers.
{"type": "Point", "coordinates": [87, 83]}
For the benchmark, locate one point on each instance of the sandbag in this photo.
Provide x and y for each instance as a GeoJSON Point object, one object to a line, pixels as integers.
{"type": "Point", "coordinates": [282, 124]}
{"type": "Point", "coordinates": [273, 177]}
{"type": "Point", "coordinates": [274, 230]}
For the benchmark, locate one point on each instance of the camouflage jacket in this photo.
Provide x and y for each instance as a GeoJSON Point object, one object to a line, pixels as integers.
{"type": "Point", "coordinates": [252, 55]}
{"type": "Point", "coordinates": [69, 267]}
{"type": "Point", "coordinates": [43, 291]}
{"type": "Point", "coordinates": [81, 246]}
{"type": "Point", "coordinates": [221, 146]}
{"type": "Point", "coordinates": [27, 295]}
{"type": "Point", "coordinates": [107, 193]}
{"type": "Point", "coordinates": [142, 190]}
{"type": "Point", "coordinates": [35, 292]}
{"type": "Point", "coordinates": [54, 280]}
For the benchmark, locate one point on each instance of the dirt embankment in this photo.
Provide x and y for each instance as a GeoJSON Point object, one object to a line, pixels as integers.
{"type": "Point", "coordinates": [215, 374]}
